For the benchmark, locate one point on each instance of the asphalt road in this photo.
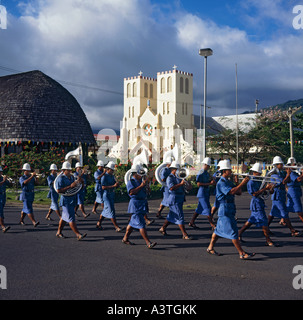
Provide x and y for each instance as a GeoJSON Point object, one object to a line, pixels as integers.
{"type": "Point", "coordinates": [41, 266]}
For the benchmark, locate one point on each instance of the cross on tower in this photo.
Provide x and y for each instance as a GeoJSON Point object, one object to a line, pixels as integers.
{"type": "Point", "coordinates": [175, 67]}
{"type": "Point", "coordinates": [140, 73]}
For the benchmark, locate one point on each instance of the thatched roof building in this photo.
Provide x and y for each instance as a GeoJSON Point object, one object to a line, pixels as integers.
{"type": "Point", "coordinates": [35, 108]}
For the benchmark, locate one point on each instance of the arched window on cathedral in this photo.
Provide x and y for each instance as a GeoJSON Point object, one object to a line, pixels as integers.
{"type": "Point", "coordinates": [129, 112]}
{"type": "Point", "coordinates": [181, 85]}
{"type": "Point", "coordinates": [135, 89]}
{"type": "Point", "coordinates": [169, 84]}
{"type": "Point", "coordinates": [167, 107]}
{"type": "Point", "coordinates": [186, 108]}
{"type": "Point", "coordinates": [133, 113]}
{"type": "Point", "coordinates": [145, 90]}
{"type": "Point", "coordinates": [163, 107]}
{"type": "Point", "coordinates": [151, 91]}
{"type": "Point", "coordinates": [186, 86]}
{"type": "Point", "coordinates": [128, 93]}
{"type": "Point", "coordinates": [163, 85]}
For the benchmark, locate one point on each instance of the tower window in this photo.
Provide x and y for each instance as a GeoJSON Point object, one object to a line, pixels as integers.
{"type": "Point", "coordinates": [169, 84]}
{"type": "Point", "coordinates": [181, 85]}
{"type": "Point", "coordinates": [162, 85]}
{"type": "Point", "coordinates": [186, 86]}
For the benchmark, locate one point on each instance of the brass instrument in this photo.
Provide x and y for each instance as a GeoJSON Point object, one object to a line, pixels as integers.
{"type": "Point", "coordinates": [78, 154]}
{"type": "Point", "coordinates": [183, 173]}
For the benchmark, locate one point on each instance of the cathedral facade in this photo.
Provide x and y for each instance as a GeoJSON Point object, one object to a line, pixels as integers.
{"type": "Point", "coordinates": [157, 112]}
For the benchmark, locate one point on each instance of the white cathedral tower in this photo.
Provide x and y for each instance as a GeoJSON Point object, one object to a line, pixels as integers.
{"type": "Point", "coordinates": [154, 109]}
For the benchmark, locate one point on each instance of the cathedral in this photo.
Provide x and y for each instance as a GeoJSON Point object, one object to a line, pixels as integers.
{"type": "Point", "coordinates": [157, 113]}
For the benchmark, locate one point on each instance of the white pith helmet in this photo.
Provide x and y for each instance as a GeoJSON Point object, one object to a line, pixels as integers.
{"type": "Point", "coordinates": [66, 166]}
{"type": "Point", "coordinates": [78, 165]}
{"type": "Point", "coordinates": [100, 163]}
{"type": "Point", "coordinates": [53, 167]}
{"type": "Point", "coordinates": [257, 167]}
{"type": "Point", "coordinates": [174, 165]}
{"type": "Point", "coordinates": [277, 160]}
{"type": "Point", "coordinates": [110, 165]}
{"type": "Point", "coordinates": [26, 167]}
{"type": "Point", "coordinates": [225, 165]}
{"type": "Point", "coordinates": [291, 161]}
{"type": "Point", "coordinates": [207, 161]}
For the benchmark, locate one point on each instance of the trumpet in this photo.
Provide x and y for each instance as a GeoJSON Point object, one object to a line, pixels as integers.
{"type": "Point", "coordinates": [40, 175]}
{"type": "Point", "coordinates": [10, 180]}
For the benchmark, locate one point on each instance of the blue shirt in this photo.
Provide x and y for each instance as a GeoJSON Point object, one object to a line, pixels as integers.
{"type": "Point", "coordinates": [257, 203]}
{"type": "Point", "coordinates": [203, 177]}
{"type": "Point", "coordinates": [108, 180]}
{"type": "Point", "coordinates": [62, 182]}
{"type": "Point", "coordinates": [279, 190]}
{"type": "Point", "coordinates": [98, 186]}
{"type": "Point", "coordinates": [223, 188]}
{"type": "Point", "coordinates": [28, 190]}
{"type": "Point", "coordinates": [133, 184]}
{"type": "Point", "coordinates": [177, 195]}
{"type": "Point", "coordinates": [294, 186]}
{"type": "Point", "coordinates": [164, 173]}
{"type": "Point", "coordinates": [3, 186]}
{"type": "Point", "coordinates": [50, 181]}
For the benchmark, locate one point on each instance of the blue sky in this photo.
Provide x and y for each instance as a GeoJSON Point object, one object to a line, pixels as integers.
{"type": "Point", "coordinates": [99, 42]}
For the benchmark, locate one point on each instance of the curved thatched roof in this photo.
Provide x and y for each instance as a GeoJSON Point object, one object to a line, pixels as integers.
{"type": "Point", "coordinates": [37, 108]}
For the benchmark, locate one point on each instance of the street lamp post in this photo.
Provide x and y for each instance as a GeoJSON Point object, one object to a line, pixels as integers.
{"type": "Point", "coordinates": [204, 53]}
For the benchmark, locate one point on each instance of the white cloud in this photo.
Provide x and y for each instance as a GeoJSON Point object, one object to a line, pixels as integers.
{"type": "Point", "coordinates": [99, 42]}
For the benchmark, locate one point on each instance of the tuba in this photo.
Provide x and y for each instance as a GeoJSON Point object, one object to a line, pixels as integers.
{"type": "Point", "coordinates": [174, 153]}
{"type": "Point", "coordinates": [75, 154]}
{"type": "Point", "coordinates": [183, 173]}
{"type": "Point", "coordinates": [140, 160]}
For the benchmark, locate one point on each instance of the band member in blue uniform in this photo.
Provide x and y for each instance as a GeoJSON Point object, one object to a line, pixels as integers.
{"type": "Point", "coordinates": [98, 186]}
{"type": "Point", "coordinates": [67, 181]}
{"type": "Point", "coordinates": [52, 194]}
{"type": "Point", "coordinates": [81, 194]}
{"type": "Point", "coordinates": [164, 175]}
{"type": "Point", "coordinates": [3, 184]}
{"type": "Point", "coordinates": [203, 181]}
{"type": "Point", "coordinates": [294, 191]}
{"type": "Point", "coordinates": [257, 205]}
{"type": "Point", "coordinates": [279, 208]}
{"type": "Point", "coordinates": [216, 177]}
{"type": "Point", "coordinates": [227, 224]}
{"type": "Point", "coordinates": [138, 206]}
{"type": "Point", "coordinates": [27, 182]}
{"type": "Point", "coordinates": [109, 185]}
{"type": "Point", "coordinates": [176, 199]}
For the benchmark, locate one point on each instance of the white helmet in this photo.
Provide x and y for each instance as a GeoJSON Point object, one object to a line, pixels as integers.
{"type": "Point", "coordinates": [291, 161]}
{"type": "Point", "coordinates": [78, 165]}
{"type": "Point", "coordinates": [277, 160]}
{"type": "Point", "coordinates": [219, 163]}
{"type": "Point", "coordinates": [257, 167]}
{"type": "Point", "coordinates": [53, 167]}
{"type": "Point", "coordinates": [207, 161]}
{"type": "Point", "coordinates": [66, 166]}
{"type": "Point", "coordinates": [175, 165]}
{"type": "Point", "coordinates": [26, 167]}
{"type": "Point", "coordinates": [110, 165]}
{"type": "Point", "coordinates": [225, 165]}
{"type": "Point", "coordinates": [100, 163]}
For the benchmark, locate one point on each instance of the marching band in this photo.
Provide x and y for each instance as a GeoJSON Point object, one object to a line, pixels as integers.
{"type": "Point", "coordinates": [283, 183]}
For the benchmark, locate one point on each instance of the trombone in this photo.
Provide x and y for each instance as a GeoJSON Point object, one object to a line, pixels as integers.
{"type": "Point", "coordinates": [264, 179]}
